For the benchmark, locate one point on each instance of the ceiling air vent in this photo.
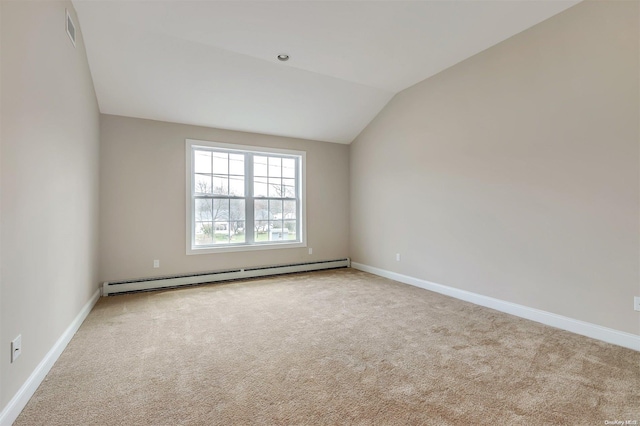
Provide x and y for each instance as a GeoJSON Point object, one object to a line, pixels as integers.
{"type": "Point", "coordinates": [71, 29]}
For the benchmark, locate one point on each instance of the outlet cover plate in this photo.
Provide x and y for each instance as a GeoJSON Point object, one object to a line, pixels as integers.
{"type": "Point", "coordinates": [636, 303]}
{"type": "Point", "coordinates": [16, 347]}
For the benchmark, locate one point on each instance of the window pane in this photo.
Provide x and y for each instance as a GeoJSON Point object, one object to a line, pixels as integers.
{"type": "Point", "coordinates": [275, 167]}
{"type": "Point", "coordinates": [275, 188]}
{"type": "Point", "coordinates": [288, 168]}
{"type": "Point", "coordinates": [277, 231]}
{"type": "Point", "coordinates": [275, 209]}
{"type": "Point", "coordinates": [290, 227]}
{"type": "Point", "coordinates": [236, 186]}
{"type": "Point", "coordinates": [261, 230]}
{"type": "Point", "coordinates": [221, 210]}
{"type": "Point", "coordinates": [221, 232]}
{"type": "Point", "coordinates": [260, 187]}
{"type": "Point", "coordinates": [237, 232]}
{"type": "Point", "coordinates": [202, 160]}
{"type": "Point", "coordinates": [290, 209]}
{"type": "Point", "coordinates": [220, 185]}
{"type": "Point", "coordinates": [259, 166]}
{"type": "Point", "coordinates": [261, 210]}
{"type": "Point", "coordinates": [289, 188]}
{"type": "Point", "coordinates": [204, 210]}
{"type": "Point", "coordinates": [236, 164]}
{"type": "Point", "coordinates": [236, 210]}
{"type": "Point", "coordinates": [220, 163]}
{"type": "Point", "coordinates": [202, 184]}
{"type": "Point", "coordinates": [203, 233]}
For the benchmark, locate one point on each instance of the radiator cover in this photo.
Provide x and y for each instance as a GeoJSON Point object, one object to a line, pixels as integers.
{"type": "Point", "coordinates": [156, 283]}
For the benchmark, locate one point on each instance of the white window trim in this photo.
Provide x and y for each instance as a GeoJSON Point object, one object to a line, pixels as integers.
{"type": "Point", "coordinates": [189, 144]}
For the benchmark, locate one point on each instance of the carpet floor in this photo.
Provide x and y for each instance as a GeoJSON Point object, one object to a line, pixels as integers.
{"type": "Point", "coordinates": [331, 347]}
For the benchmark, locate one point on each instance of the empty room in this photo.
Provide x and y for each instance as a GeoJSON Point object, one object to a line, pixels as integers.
{"type": "Point", "coordinates": [319, 212]}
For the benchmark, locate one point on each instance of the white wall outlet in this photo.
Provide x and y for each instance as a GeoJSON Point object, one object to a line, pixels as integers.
{"type": "Point", "coordinates": [16, 347]}
{"type": "Point", "coordinates": [156, 263]}
{"type": "Point", "coordinates": [636, 303]}
{"type": "Point", "coordinates": [310, 250]}
{"type": "Point", "coordinates": [397, 257]}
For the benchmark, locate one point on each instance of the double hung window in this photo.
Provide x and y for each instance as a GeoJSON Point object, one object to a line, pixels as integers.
{"type": "Point", "coordinates": [243, 198]}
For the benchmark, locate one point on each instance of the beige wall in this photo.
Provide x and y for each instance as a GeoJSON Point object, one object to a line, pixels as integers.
{"type": "Point", "coordinates": [515, 174]}
{"type": "Point", "coordinates": [142, 200]}
{"type": "Point", "coordinates": [49, 175]}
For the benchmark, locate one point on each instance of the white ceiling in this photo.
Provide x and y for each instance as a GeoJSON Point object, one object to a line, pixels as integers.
{"type": "Point", "coordinates": [213, 63]}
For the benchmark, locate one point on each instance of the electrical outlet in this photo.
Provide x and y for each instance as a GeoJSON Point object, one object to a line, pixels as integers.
{"type": "Point", "coordinates": [397, 257]}
{"type": "Point", "coordinates": [310, 250]}
{"type": "Point", "coordinates": [636, 303]}
{"type": "Point", "coordinates": [16, 347]}
{"type": "Point", "coordinates": [156, 263]}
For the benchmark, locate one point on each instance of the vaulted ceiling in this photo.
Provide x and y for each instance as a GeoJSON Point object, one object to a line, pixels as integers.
{"type": "Point", "coordinates": [214, 63]}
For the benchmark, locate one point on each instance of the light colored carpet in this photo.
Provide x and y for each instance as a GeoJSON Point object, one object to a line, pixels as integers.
{"type": "Point", "coordinates": [333, 347]}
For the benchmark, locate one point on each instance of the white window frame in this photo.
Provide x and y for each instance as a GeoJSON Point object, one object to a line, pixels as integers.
{"type": "Point", "coordinates": [190, 145]}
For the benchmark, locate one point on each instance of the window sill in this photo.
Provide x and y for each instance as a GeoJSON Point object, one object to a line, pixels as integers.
{"type": "Point", "coordinates": [241, 248]}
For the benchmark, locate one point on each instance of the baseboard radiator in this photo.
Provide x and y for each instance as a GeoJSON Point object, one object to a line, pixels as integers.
{"type": "Point", "coordinates": [156, 283]}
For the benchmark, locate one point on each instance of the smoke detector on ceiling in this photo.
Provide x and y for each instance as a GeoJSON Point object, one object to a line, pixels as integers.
{"type": "Point", "coordinates": [283, 57]}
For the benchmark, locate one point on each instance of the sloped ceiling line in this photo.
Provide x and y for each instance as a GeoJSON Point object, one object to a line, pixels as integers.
{"type": "Point", "coordinates": [214, 64]}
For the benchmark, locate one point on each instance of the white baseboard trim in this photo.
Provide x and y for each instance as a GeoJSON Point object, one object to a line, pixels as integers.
{"type": "Point", "coordinates": [609, 335]}
{"type": "Point", "coordinates": [13, 409]}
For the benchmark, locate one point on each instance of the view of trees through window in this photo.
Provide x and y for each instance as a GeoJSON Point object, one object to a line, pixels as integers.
{"type": "Point", "coordinates": [244, 197]}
